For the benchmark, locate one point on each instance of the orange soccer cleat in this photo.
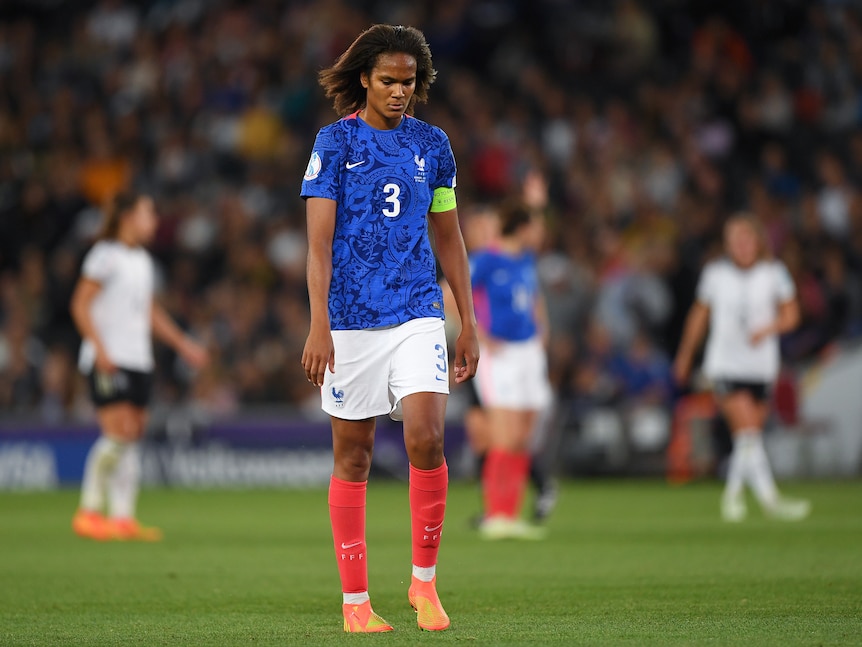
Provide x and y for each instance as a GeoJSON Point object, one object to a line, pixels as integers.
{"type": "Point", "coordinates": [91, 525]}
{"type": "Point", "coordinates": [360, 618]}
{"type": "Point", "coordinates": [132, 530]}
{"type": "Point", "coordinates": [430, 615]}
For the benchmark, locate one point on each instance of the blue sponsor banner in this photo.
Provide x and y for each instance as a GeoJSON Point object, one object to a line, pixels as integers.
{"type": "Point", "coordinates": [234, 453]}
{"type": "Point", "coordinates": [38, 457]}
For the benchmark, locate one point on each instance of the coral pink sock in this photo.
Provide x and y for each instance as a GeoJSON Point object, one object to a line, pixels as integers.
{"type": "Point", "coordinates": [347, 514]}
{"type": "Point", "coordinates": [517, 468]}
{"type": "Point", "coordinates": [494, 482]}
{"type": "Point", "coordinates": [427, 508]}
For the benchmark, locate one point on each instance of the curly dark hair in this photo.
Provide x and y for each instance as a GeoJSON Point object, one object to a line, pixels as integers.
{"type": "Point", "coordinates": [342, 81]}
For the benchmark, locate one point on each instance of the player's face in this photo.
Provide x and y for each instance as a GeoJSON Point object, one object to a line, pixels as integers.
{"type": "Point", "coordinates": [389, 88]}
{"type": "Point", "coordinates": [143, 221]}
{"type": "Point", "coordinates": [742, 244]}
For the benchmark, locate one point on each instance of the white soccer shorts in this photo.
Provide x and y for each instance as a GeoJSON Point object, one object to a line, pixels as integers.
{"type": "Point", "coordinates": [514, 375]}
{"type": "Point", "coordinates": [376, 368]}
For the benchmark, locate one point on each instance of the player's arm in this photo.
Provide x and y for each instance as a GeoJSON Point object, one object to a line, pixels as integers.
{"type": "Point", "coordinates": [168, 332]}
{"type": "Point", "coordinates": [787, 319]}
{"type": "Point", "coordinates": [452, 255]}
{"type": "Point", "coordinates": [82, 300]}
{"type": "Point", "coordinates": [696, 325]}
{"type": "Point", "coordinates": [449, 305]}
{"type": "Point", "coordinates": [788, 316]}
{"type": "Point", "coordinates": [543, 324]}
{"type": "Point", "coordinates": [319, 351]}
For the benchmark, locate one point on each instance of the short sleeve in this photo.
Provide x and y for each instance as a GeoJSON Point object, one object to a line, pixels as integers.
{"type": "Point", "coordinates": [706, 286]}
{"type": "Point", "coordinates": [784, 285]}
{"type": "Point", "coordinates": [446, 168]}
{"type": "Point", "coordinates": [99, 263]}
{"type": "Point", "coordinates": [478, 269]}
{"type": "Point", "coordinates": [322, 178]}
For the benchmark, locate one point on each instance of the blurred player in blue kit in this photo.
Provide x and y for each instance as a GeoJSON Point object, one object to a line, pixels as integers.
{"type": "Point", "coordinates": [377, 178]}
{"type": "Point", "coordinates": [512, 383]}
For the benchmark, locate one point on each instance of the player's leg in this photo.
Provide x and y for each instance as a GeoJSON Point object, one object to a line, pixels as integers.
{"type": "Point", "coordinates": [743, 424]}
{"type": "Point", "coordinates": [539, 398]}
{"type": "Point", "coordinates": [500, 385]}
{"type": "Point", "coordinates": [506, 473]}
{"type": "Point", "coordinates": [773, 503]}
{"type": "Point", "coordinates": [353, 397]}
{"type": "Point", "coordinates": [521, 446]}
{"type": "Point", "coordinates": [352, 447]}
{"type": "Point", "coordinates": [547, 491]}
{"type": "Point", "coordinates": [514, 387]}
{"type": "Point", "coordinates": [476, 430]}
{"type": "Point", "coordinates": [124, 486]}
{"type": "Point", "coordinates": [424, 415]}
{"type": "Point", "coordinates": [419, 388]}
{"type": "Point", "coordinates": [508, 461]}
{"type": "Point", "coordinates": [749, 464]}
{"type": "Point", "coordinates": [117, 425]}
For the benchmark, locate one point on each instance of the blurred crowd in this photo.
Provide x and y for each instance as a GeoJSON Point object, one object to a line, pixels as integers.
{"type": "Point", "coordinates": [647, 122]}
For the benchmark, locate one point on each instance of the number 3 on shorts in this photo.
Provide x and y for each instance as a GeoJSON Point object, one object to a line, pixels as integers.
{"type": "Point", "coordinates": [392, 192]}
{"type": "Point", "coordinates": [441, 365]}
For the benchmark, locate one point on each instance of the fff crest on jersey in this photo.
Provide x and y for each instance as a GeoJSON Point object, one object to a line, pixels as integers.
{"type": "Point", "coordinates": [420, 168]}
{"type": "Point", "coordinates": [314, 166]}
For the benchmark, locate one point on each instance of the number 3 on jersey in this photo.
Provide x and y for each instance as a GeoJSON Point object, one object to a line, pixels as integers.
{"type": "Point", "coordinates": [392, 192]}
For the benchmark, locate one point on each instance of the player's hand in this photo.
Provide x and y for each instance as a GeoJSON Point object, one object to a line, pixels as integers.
{"type": "Point", "coordinates": [194, 354]}
{"type": "Point", "coordinates": [535, 190]}
{"type": "Point", "coordinates": [759, 335]}
{"type": "Point", "coordinates": [319, 352]}
{"type": "Point", "coordinates": [104, 363]}
{"type": "Point", "coordinates": [466, 355]}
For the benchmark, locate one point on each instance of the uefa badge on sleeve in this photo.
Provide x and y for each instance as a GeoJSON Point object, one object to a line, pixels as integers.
{"type": "Point", "coordinates": [313, 168]}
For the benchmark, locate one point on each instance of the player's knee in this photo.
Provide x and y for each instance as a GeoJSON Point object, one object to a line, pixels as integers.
{"type": "Point", "coordinates": [426, 440]}
{"type": "Point", "coordinates": [131, 428]}
{"type": "Point", "coordinates": [355, 461]}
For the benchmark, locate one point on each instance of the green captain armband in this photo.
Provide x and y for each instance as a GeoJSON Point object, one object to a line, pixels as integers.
{"type": "Point", "coordinates": [444, 200]}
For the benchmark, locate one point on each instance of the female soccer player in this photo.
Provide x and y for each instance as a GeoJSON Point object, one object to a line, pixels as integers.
{"type": "Point", "coordinates": [513, 380]}
{"type": "Point", "coordinates": [745, 300]}
{"type": "Point", "coordinates": [116, 315]}
{"type": "Point", "coordinates": [376, 345]}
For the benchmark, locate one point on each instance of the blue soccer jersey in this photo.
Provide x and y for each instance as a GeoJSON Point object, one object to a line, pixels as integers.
{"type": "Point", "coordinates": [505, 290]}
{"type": "Point", "coordinates": [383, 181]}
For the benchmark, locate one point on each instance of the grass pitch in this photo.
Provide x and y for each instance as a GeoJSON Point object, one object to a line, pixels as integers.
{"type": "Point", "coordinates": [626, 563]}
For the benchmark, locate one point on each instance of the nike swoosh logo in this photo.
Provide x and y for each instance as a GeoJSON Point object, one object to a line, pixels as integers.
{"type": "Point", "coordinates": [437, 527]}
{"type": "Point", "coordinates": [353, 545]}
{"type": "Point", "coordinates": [351, 165]}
